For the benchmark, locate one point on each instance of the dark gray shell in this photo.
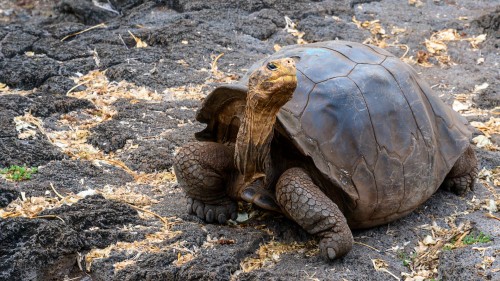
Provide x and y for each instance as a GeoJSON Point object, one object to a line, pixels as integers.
{"type": "Point", "coordinates": [369, 123]}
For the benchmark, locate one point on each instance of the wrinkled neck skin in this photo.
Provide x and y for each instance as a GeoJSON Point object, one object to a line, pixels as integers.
{"type": "Point", "coordinates": [253, 143]}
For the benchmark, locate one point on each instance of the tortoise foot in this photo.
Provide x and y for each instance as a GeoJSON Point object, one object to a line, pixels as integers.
{"type": "Point", "coordinates": [460, 185]}
{"type": "Point", "coordinates": [307, 205]}
{"type": "Point", "coordinates": [213, 213]}
{"type": "Point", "coordinates": [335, 245]}
{"type": "Point", "coordinates": [462, 176]}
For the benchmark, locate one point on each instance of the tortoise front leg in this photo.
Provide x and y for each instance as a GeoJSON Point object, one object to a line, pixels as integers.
{"type": "Point", "coordinates": [307, 205]}
{"type": "Point", "coordinates": [203, 170]}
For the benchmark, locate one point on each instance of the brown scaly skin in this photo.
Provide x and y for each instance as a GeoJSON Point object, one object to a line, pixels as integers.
{"type": "Point", "coordinates": [214, 176]}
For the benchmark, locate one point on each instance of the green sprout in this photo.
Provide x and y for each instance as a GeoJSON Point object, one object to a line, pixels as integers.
{"type": "Point", "coordinates": [405, 258]}
{"type": "Point", "coordinates": [472, 239]}
{"type": "Point", "coordinates": [18, 173]}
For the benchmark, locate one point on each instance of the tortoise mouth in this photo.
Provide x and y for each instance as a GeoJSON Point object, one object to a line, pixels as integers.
{"type": "Point", "coordinates": [282, 77]}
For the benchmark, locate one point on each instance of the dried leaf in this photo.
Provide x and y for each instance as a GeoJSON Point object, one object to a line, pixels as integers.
{"type": "Point", "coordinates": [138, 42]}
{"type": "Point", "coordinates": [421, 248]}
{"type": "Point", "coordinates": [182, 62]}
{"type": "Point", "coordinates": [446, 35]}
{"type": "Point", "coordinates": [291, 28]}
{"type": "Point", "coordinates": [126, 195]}
{"type": "Point", "coordinates": [183, 259]}
{"type": "Point", "coordinates": [423, 58]}
{"type": "Point", "coordinates": [435, 47]}
{"type": "Point", "coordinates": [491, 206]}
{"type": "Point", "coordinates": [436, 44]}
{"type": "Point", "coordinates": [479, 88]}
{"type": "Point", "coordinates": [26, 134]}
{"type": "Point", "coordinates": [96, 254]}
{"type": "Point", "coordinates": [381, 265]}
{"type": "Point", "coordinates": [486, 263]}
{"type": "Point", "coordinates": [269, 254]}
{"type": "Point", "coordinates": [396, 30]}
{"type": "Point", "coordinates": [428, 240]}
{"type": "Point", "coordinates": [378, 34]}
{"type": "Point", "coordinates": [459, 106]}
{"type": "Point", "coordinates": [482, 141]}
{"type": "Point", "coordinates": [3, 88]}
{"type": "Point", "coordinates": [489, 127]}
{"type": "Point", "coordinates": [416, 3]}
{"type": "Point", "coordinates": [25, 125]}
{"type": "Point", "coordinates": [123, 264]}
{"type": "Point", "coordinates": [475, 41]}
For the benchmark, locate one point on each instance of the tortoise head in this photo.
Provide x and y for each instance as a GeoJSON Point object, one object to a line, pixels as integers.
{"type": "Point", "coordinates": [273, 84]}
{"type": "Point", "coordinates": [269, 88]}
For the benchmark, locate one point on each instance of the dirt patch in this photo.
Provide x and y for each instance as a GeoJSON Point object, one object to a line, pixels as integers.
{"type": "Point", "coordinates": [470, 263]}
{"type": "Point", "coordinates": [48, 247]}
{"type": "Point", "coordinates": [84, 175]}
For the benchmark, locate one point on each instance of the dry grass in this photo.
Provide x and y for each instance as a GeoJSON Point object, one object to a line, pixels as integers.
{"type": "Point", "coordinates": [291, 28]}
{"type": "Point", "coordinates": [425, 263]}
{"type": "Point", "coordinates": [154, 243]}
{"type": "Point", "coordinates": [269, 254]}
{"type": "Point", "coordinates": [435, 47]}
{"type": "Point", "coordinates": [488, 129]}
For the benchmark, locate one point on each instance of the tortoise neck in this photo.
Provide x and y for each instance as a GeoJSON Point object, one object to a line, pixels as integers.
{"type": "Point", "coordinates": [253, 143]}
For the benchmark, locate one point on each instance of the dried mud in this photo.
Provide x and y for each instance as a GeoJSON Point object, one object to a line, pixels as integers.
{"type": "Point", "coordinates": [137, 229]}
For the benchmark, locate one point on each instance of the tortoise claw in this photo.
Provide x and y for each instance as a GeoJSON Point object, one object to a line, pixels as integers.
{"type": "Point", "coordinates": [335, 245]}
{"type": "Point", "coordinates": [260, 197]}
{"type": "Point", "coordinates": [213, 213]}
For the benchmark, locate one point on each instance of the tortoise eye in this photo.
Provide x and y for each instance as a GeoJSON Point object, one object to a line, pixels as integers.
{"type": "Point", "coordinates": [272, 66]}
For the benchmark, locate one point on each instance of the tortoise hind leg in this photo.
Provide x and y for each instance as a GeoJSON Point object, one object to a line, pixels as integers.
{"type": "Point", "coordinates": [462, 176]}
{"type": "Point", "coordinates": [307, 205]}
{"type": "Point", "coordinates": [202, 170]}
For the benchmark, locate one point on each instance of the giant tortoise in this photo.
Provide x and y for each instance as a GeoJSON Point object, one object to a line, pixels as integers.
{"type": "Point", "coordinates": [335, 135]}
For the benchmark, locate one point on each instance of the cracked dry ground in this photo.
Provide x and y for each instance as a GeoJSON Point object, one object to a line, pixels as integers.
{"type": "Point", "coordinates": [99, 95]}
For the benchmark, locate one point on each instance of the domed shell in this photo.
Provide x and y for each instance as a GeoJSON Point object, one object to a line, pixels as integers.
{"type": "Point", "coordinates": [369, 123]}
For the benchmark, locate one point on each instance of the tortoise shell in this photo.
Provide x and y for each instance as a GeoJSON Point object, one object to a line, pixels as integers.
{"type": "Point", "coordinates": [369, 123]}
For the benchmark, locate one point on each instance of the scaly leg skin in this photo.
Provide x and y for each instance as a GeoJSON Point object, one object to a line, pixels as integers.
{"type": "Point", "coordinates": [202, 170]}
{"type": "Point", "coordinates": [307, 205]}
{"type": "Point", "coordinates": [463, 174]}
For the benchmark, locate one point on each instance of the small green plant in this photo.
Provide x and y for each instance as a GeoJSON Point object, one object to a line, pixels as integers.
{"type": "Point", "coordinates": [472, 239]}
{"type": "Point", "coordinates": [448, 247]}
{"type": "Point", "coordinates": [18, 173]}
{"type": "Point", "coordinates": [403, 256]}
